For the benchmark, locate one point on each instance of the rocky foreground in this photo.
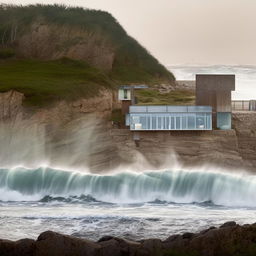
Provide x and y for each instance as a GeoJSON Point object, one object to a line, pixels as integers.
{"type": "Point", "coordinates": [229, 239]}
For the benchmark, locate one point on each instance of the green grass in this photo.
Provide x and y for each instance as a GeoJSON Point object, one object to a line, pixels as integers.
{"type": "Point", "coordinates": [6, 53]}
{"type": "Point", "coordinates": [154, 97]}
{"type": "Point", "coordinates": [44, 82]}
{"type": "Point", "coordinates": [132, 63]}
{"type": "Point", "coordinates": [117, 116]}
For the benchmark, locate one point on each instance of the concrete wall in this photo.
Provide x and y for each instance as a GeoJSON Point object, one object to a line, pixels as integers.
{"type": "Point", "coordinates": [215, 82]}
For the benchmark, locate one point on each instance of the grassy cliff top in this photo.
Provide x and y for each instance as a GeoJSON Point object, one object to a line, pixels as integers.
{"type": "Point", "coordinates": [44, 82]}
{"type": "Point", "coordinates": [51, 77]}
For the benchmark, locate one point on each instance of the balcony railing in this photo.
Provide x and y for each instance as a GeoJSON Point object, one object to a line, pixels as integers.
{"type": "Point", "coordinates": [244, 105]}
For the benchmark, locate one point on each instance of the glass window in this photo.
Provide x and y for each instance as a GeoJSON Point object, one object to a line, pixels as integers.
{"type": "Point", "coordinates": [166, 127]}
{"type": "Point", "coordinates": [178, 126]}
{"type": "Point", "coordinates": [172, 123]}
{"type": "Point", "coordinates": [159, 123]}
{"type": "Point", "coordinates": [153, 122]}
{"type": "Point", "coordinates": [148, 122]}
{"type": "Point", "coordinates": [200, 122]}
{"type": "Point", "coordinates": [125, 94]}
{"type": "Point", "coordinates": [224, 121]}
{"type": "Point", "coordinates": [135, 119]}
{"type": "Point", "coordinates": [209, 121]}
{"type": "Point", "coordinates": [184, 122]}
{"type": "Point", "coordinates": [191, 122]}
{"type": "Point", "coordinates": [178, 121]}
{"type": "Point", "coordinates": [143, 121]}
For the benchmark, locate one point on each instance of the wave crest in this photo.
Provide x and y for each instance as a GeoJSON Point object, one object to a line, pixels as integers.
{"type": "Point", "coordinates": [48, 184]}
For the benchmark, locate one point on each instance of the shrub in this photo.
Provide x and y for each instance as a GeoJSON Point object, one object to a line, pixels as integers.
{"type": "Point", "coordinates": [7, 53]}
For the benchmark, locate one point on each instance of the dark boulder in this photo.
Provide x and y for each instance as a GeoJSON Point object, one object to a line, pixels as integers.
{"type": "Point", "coordinates": [23, 247]}
{"type": "Point", "coordinates": [228, 224]}
{"type": "Point", "coordinates": [105, 238]}
{"type": "Point", "coordinates": [229, 240]}
{"type": "Point", "coordinates": [119, 247]}
{"type": "Point", "coordinates": [188, 235]}
{"type": "Point", "coordinates": [53, 244]}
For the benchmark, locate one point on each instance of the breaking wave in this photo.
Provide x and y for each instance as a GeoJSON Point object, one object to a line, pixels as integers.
{"type": "Point", "coordinates": [46, 184]}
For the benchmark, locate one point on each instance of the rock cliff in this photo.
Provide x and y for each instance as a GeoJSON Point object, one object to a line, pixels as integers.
{"type": "Point", "coordinates": [47, 42]}
{"type": "Point", "coordinates": [245, 127]}
{"type": "Point", "coordinates": [69, 134]}
{"type": "Point", "coordinates": [79, 134]}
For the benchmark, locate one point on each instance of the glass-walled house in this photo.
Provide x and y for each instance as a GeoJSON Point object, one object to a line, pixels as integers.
{"type": "Point", "coordinates": [168, 118]}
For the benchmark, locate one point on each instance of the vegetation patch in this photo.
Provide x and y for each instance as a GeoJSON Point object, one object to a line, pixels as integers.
{"type": "Point", "coordinates": [132, 62]}
{"type": "Point", "coordinates": [154, 97]}
{"type": "Point", "coordinates": [7, 53]}
{"type": "Point", "coordinates": [117, 116]}
{"type": "Point", "coordinates": [43, 82]}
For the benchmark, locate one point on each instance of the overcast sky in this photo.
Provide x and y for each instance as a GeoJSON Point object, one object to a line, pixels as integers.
{"type": "Point", "coordinates": [184, 31]}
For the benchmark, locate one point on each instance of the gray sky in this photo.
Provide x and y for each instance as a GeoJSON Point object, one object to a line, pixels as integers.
{"type": "Point", "coordinates": [184, 31]}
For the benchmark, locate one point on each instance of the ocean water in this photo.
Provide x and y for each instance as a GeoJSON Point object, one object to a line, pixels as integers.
{"type": "Point", "coordinates": [245, 77]}
{"type": "Point", "coordinates": [131, 205]}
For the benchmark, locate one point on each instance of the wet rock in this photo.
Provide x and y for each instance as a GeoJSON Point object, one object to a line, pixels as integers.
{"type": "Point", "coordinates": [188, 235]}
{"type": "Point", "coordinates": [206, 230]}
{"type": "Point", "coordinates": [229, 240]}
{"type": "Point", "coordinates": [53, 244]}
{"type": "Point", "coordinates": [228, 224]}
{"type": "Point", "coordinates": [105, 238]}
{"type": "Point", "coordinates": [152, 246]}
{"type": "Point", "coordinates": [172, 238]}
{"type": "Point", "coordinates": [119, 247]}
{"type": "Point", "coordinates": [23, 247]}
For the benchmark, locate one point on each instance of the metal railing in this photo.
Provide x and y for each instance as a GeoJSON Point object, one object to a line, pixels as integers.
{"type": "Point", "coordinates": [244, 105]}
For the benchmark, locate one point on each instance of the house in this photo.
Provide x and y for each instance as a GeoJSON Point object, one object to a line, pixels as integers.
{"type": "Point", "coordinates": [168, 118]}
{"type": "Point", "coordinates": [126, 96]}
{"type": "Point", "coordinates": [215, 91]}
{"type": "Point", "coordinates": [212, 110]}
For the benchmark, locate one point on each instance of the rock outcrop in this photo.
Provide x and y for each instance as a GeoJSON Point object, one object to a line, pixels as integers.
{"type": "Point", "coordinates": [48, 42]}
{"type": "Point", "coordinates": [213, 149]}
{"type": "Point", "coordinates": [68, 133]}
{"type": "Point", "coordinates": [229, 239]}
{"type": "Point", "coordinates": [245, 126]}
{"type": "Point", "coordinates": [10, 105]}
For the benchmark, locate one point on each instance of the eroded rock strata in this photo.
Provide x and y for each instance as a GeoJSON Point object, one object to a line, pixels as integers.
{"type": "Point", "coordinates": [78, 134]}
{"type": "Point", "coordinates": [229, 239]}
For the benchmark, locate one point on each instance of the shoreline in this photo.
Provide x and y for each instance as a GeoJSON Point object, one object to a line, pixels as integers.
{"type": "Point", "coordinates": [229, 239]}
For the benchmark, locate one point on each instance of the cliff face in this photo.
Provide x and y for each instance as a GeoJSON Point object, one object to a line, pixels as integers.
{"type": "Point", "coordinates": [49, 42]}
{"type": "Point", "coordinates": [213, 149]}
{"type": "Point", "coordinates": [79, 135]}
{"type": "Point", "coordinates": [69, 134]}
{"type": "Point", "coordinates": [11, 108]}
{"type": "Point", "coordinates": [10, 105]}
{"type": "Point", "coordinates": [245, 127]}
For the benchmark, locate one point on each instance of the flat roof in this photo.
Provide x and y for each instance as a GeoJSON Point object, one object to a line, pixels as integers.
{"type": "Point", "coordinates": [170, 109]}
{"type": "Point", "coordinates": [139, 86]}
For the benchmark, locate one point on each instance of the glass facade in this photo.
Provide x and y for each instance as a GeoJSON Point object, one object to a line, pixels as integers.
{"type": "Point", "coordinates": [224, 120]}
{"type": "Point", "coordinates": [181, 121]}
{"type": "Point", "coordinates": [186, 118]}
